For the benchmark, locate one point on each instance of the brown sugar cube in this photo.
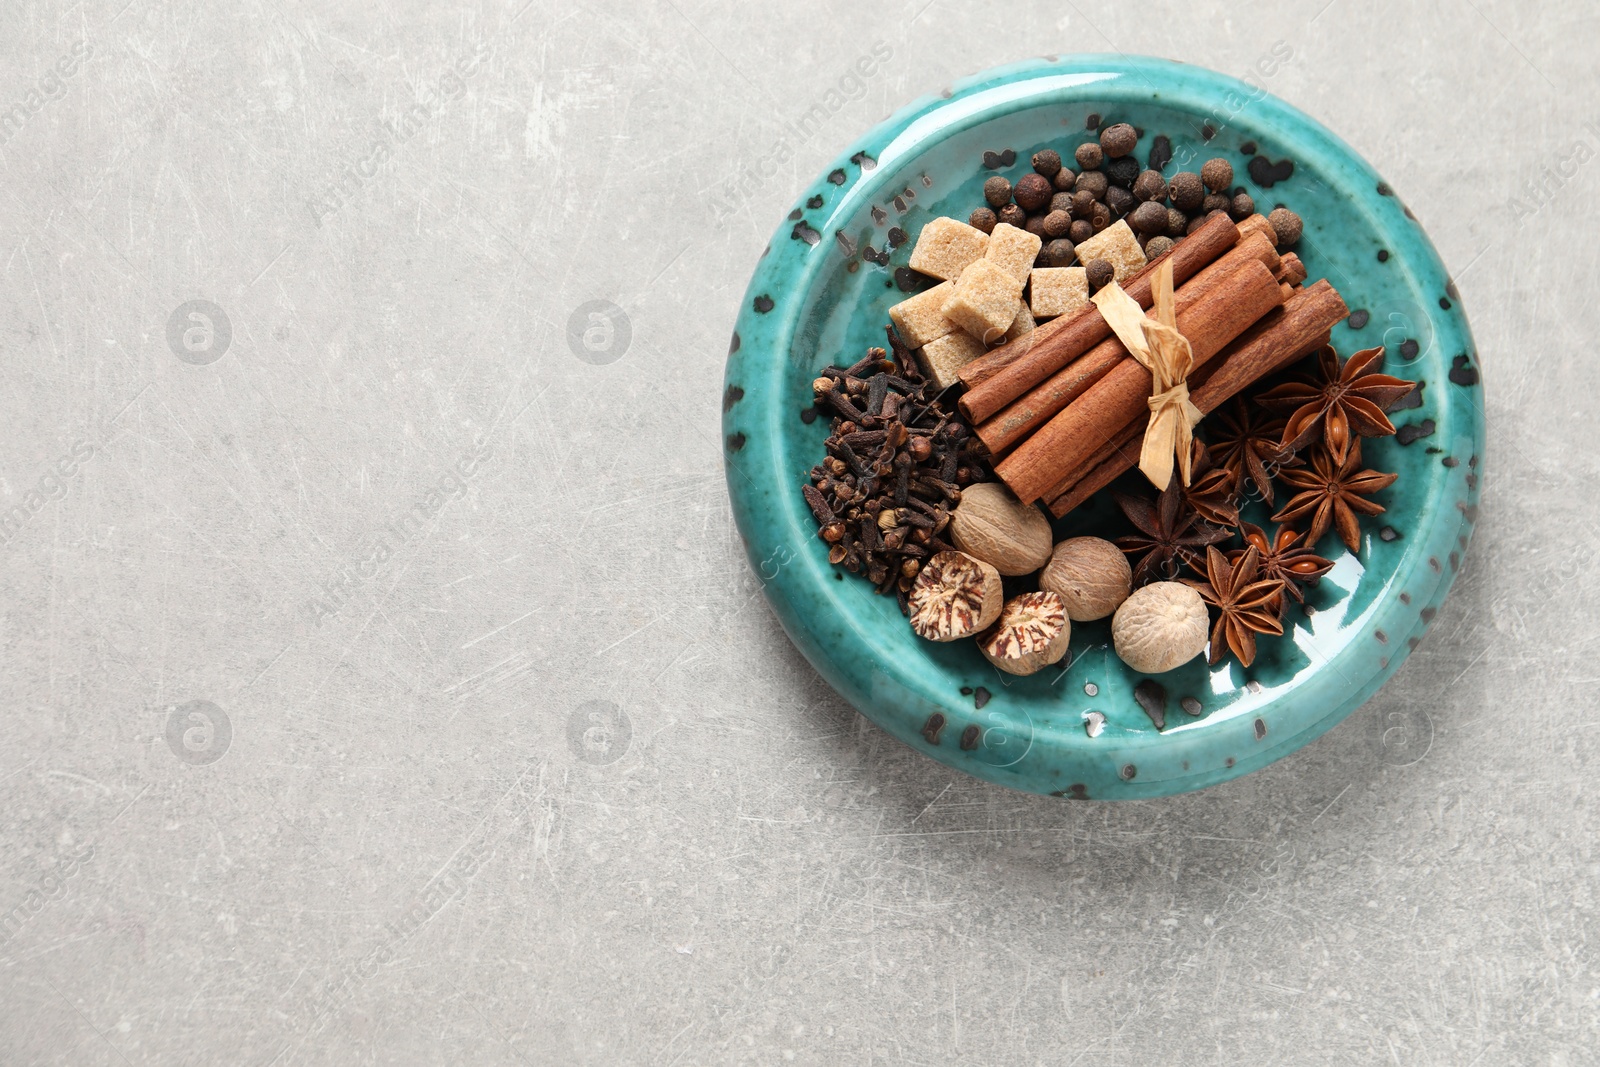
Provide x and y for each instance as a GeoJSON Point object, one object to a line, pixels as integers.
{"type": "Point", "coordinates": [1059, 291]}
{"type": "Point", "coordinates": [1022, 324]}
{"type": "Point", "coordinates": [920, 318]}
{"type": "Point", "coordinates": [943, 356]}
{"type": "Point", "coordinates": [945, 247]}
{"type": "Point", "coordinates": [985, 301]}
{"type": "Point", "coordinates": [1013, 250]}
{"type": "Point", "coordinates": [1117, 246]}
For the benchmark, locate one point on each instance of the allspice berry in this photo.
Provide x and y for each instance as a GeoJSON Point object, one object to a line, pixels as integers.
{"type": "Point", "coordinates": [1012, 215]}
{"type": "Point", "coordinates": [1089, 156]}
{"type": "Point", "coordinates": [1047, 161]}
{"type": "Point", "coordinates": [1092, 181]}
{"type": "Point", "coordinates": [1159, 627]}
{"type": "Point", "coordinates": [1150, 185]}
{"type": "Point", "coordinates": [1215, 202]}
{"type": "Point", "coordinates": [1100, 274]}
{"type": "Point", "coordinates": [1032, 191]}
{"type": "Point", "coordinates": [997, 191]}
{"type": "Point", "coordinates": [1149, 218]}
{"type": "Point", "coordinates": [1217, 174]}
{"type": "Point", "coordinates": [1119, 200]}
{"type": "Point", "coordinates": [982, 219]}
{"type": "Point", "coordinates": [1061, 202]}
{"type": "Point", "coordinates": [1083, 204]}
{"type": "Point", "coordinates": [1241, 207]}
{"type": "Point", "coordinates": [1057, 223]}
{"type": "Point", "coordinates": [1158, 246]}
{"type": "Point", "coordinates": [1082, 230]}
{"type": "Point", "coordinates": [1090, 575]}
{"type": "Point", "coordinates": [1064, 179]}
{"type": "Point", "coordinates": [1101, 217]}
{"type": "Point", "coordinates": [1122, 172]}
{"type": "Point", "coordinates": [1287, 224]}
{"type": "Point", "coordinates": [1035, 226]}
{"type": "Point", "coordinates": [1188, 192]}
{"type": "Point", "coordinates": [1058, 253]}
{"type": "Point", "coordinates": [1177, 223]}
{"type": "Point", "coordinates": [1119, 140]}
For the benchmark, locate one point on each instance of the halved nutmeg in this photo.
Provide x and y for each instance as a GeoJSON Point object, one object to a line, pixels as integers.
{"type": "Point", "coordinates": [1033, 632]}
{"type": "Point", "coordinates": [954, 596]}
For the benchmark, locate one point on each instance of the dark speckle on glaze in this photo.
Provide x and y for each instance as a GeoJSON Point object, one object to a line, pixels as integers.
{"type": "Point", "coordinates": [735, 442]}
{"type": "Point", "coordinates": [1228, 762]}
{"type": "Point", "coordinates": [1413, 432]}
{"type": "Point", "coordinates": [909, 281]}
{"type": "Point", "coordinates": [1427, 615]}
{"type": "Point", "coordinates": [966, 690]}
{"type": "Point", "coordinates": [1449, 461]}
{"type": "Point", "coordinates": [1461, 373]}
{"type": "Point", "coordinates": [1433, 561]}
{"type": "Point", "coordinates": [1411, 400]}
{"type": "Point", "coordinates": [1472, 481]}
{"type": "Point", "coordinates": [1077, 791]}
{"type": "Point", "coordinates": [1261, 729]}
{"type": "Point", "coordinates": [933, 728]}
{"type": "Point", "coordinates": [1383, 638]}
{"type": "Point", "coordinates": [1359, 318]}
{"type": "Point", "coordinates": [864, 161]}
{"type": "Point", "coordinates": [808, 415]}
{"type": "Point", "coordinates": [763, 303]}
{"type": "Point", "coordinates": [1405, 598]}
{"type": "Point", "coordinates": [733, 345]}
{"type": "Point", "coordinates": [1455, 560]}
{"type": "Point", "coordinates": [969, 738]}
{"type": "Point", "coordinates": [732, 396]}
{"type": "Point", "coordinates": [1388, 533]}
{"type": "Point", "coordinates": [1409, 348]}
{"type": "Point", "coordinates": [804, 231]}
{"type": "Point", "coordinates": [837, 177]}
{"type": "Point", "coordinates": [794, 214]}
{"type": "Point", "coordinates": [1152, 697]}
{"type": "Point", "coordinates": [1444, 303]}
{"type": "Point", "coordinates": [847, 246]}
{"type": "Point", "coordinates": [814, 202]}
{"type": "Point", "coordinates": [1384, 190]}
{"type": "Point", "coordinates": [1412, 643]}
{"type": "Point", "coordinates": [1191, 707]}
{"type": "Point", "coordinates": [1129, 772]}
{"type": "Point", "coordinates": [980, 697]}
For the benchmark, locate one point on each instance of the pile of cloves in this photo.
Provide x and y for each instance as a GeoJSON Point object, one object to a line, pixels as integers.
{"type": "Point", "coordinates": [895, 467]}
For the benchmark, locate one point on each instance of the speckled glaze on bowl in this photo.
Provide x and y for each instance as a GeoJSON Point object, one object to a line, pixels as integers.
{"type": "Point", "coordinates": [821, 294]}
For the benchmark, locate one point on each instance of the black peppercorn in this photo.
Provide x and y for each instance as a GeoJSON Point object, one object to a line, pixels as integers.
{"type": "Point", "coordinates": [1149, 185]}
{"type": "Point", "coordinates": [1032, 192]}
{"type": "Point", "coordinates": [1119, 200]}
{"type": "Point", "coordinates": [1177, 223]}
{"type": "Point", "coordinates": [1057, 223]}
{"type": "Point", "coordinates": [1094, 181]}
{"type": "Point", "coordinates": [1012, 215]}
{"type": "Point", "coordinates": [1047, 161]}
{"type": "Point", "coordinates": [1214, 202]}
{"type": "Point", "coordinates": [1059, 253]}
{"type": "Point", "coordinates": [1100, 274]}
{"type": "Point", "coordinates": [1119, 140]}
{"type": "Point", "coordinates": [1101, 217]}
{"type": "Point", "coordinates": [1149, 218]}
{"type": "Point", "coordinates": [1188, 192]}
{"type": "Point", "coordinates": [1122, 172]}
{"type": "Point", "coordinates": [1064, 179]}
{"type": "Point", "coordinates": [1241, 207]}
{"type": "Point", "coordinates": [1035, 226]}
{"type": "Point", "coordinates": [1082, 230]}
{"type": "Point", "coordinates": [1217, 174]}
{"type": "Point", "coordinates": [1089, 156]}
{"type": "Point", "coordinates": [982, 219]}
{"type": "Point", "coordinates": [1157, 246]}
{"type": "Point", "coordinates": [1287, 224]}
{"type": "Point", "coordinates": [997, 191]}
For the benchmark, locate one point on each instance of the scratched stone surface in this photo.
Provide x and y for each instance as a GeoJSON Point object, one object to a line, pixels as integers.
{"type": "Point", "coordinates": [291, 775]}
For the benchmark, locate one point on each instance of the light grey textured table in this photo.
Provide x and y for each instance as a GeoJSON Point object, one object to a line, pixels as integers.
{"type": "Point", "coordinates": [293, 775]}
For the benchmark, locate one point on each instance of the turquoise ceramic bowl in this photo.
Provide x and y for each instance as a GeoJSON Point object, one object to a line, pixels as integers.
{"type": "Point", "coordinates": [821, 294]}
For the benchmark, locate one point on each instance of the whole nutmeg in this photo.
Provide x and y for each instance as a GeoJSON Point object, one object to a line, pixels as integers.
{"type": "Point", "coordinates": [1090, 575]}
{"type": "Point", "coordinates": [953, 597]}
{"type": "Point", "coordinates": [1033, 631]}
{"type": "Point", "coordinates": [1032, 191]}
{"type": "Point", "coordinates": [992, 525]}
{"type": "Point", "coordinates": [1159, 627]}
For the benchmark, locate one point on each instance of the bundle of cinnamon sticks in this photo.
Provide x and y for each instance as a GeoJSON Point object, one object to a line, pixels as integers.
{"type": "Point", "coordinates": [1063, 409]}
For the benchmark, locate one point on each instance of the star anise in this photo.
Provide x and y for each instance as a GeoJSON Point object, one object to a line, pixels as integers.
{"type": "Point", "coordinates": [1343, 401]}
{"type": "Point", "coordinates": [1284, 556]}
{"type": "Point", "coordinates": [1245, 442]}
{"type": "Point", "coordinates": [1245, 605]}
{"type": "Point", "coordinates": [1332, 494]}
{"type": "Point", "coordinates": [1170, 532]}
{"type": "Point", "coordinates": [1212, 489]}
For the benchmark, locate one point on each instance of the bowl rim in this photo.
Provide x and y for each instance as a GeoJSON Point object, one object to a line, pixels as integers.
{"type": "Point", "coordinates": [753, 431]}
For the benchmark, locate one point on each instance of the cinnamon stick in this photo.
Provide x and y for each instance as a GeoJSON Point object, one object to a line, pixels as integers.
{"type": "Point", "coordinates": [1032, 410]}
{"type": "Point", "coordinates": [1066, 441]}
{"type": "Point", "coordinates": [998, 377]}
{"type": "Point", "coordinates": [1301, 326]}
